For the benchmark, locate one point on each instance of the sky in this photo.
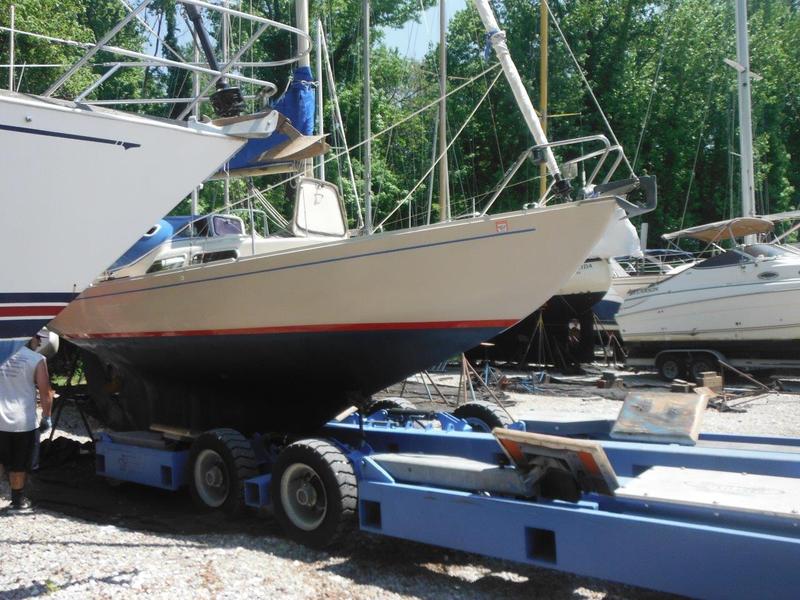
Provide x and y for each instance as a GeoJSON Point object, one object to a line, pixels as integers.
{"type": "Point", "coordinates": [414, 39]}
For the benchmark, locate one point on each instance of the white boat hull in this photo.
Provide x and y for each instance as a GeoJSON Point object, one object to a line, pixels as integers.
{"type": "Point", "coordinates": [750, 310]}
{"type": "Point", "coordinates": [608, 306]}
{"type": "Point", "coordinates": [592, 277]}
{"type": "Point", "coordinates": [79, 186]}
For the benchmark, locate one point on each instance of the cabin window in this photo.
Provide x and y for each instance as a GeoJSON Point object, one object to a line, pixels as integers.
{"type": "Point", "coordinates": [208, 257]}
{"type": "Point", "coordinates": [167, 264]}
{"type": "Point", "coordinates": [227, 226]}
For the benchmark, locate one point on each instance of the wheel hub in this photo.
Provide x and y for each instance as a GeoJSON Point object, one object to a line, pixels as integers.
{"type": "Point", "coordinates": [211, 479]}
{"type": "Point", "coordinates": [303, 497]}
{"type": "Point", "coordinates": [214, 477]}
{"type": "Point", "coordinates": [306, 495]}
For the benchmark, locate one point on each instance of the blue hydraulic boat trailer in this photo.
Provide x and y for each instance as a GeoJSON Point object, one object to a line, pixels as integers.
{"type": "Point", "coordinates": [718, 519]}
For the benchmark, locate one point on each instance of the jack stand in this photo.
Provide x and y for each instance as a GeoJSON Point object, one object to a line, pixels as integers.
{"type": "Point", "coordinates": [59, 409]}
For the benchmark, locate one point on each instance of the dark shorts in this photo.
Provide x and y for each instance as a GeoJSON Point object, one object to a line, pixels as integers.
{"type": "Point", "coordinates": [16, 450]}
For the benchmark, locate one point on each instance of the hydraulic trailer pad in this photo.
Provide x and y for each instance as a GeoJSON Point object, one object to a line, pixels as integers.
{"type": "Point", "coordinates": [585, 460]}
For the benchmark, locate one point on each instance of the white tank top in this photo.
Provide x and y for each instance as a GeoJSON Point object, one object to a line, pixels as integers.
{"type": "Point", "coordinates": [18, 391]}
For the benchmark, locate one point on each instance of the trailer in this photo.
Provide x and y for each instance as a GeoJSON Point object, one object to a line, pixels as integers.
{"type": "Point", "coordinates": [683, 361]}
{"type": "Point", "coordinates": [719, 519]}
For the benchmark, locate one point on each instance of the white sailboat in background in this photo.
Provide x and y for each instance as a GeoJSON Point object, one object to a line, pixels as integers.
{"type": "Point", "coordinates": [81, 183]}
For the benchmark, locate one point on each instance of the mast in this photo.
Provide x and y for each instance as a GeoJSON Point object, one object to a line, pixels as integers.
{"type": "Point", "coordinates": [444, 177]}
{"type": "Point", "coordinates": [303, 43]}
{"type": "Point", "coordinates": [195, 112]}
{"type": "Point", "coordinates": [320, 119]}
{"type": "Point", "coordinates": [367, 124]}
{"type": "Point", "coordinates": [11, 50]}
{"type": "Point", "coordinates": [745, 124]}
{"type": "Point", "coordinates": [225, 33]}
{"type": "Point", "coordinates": [543, 81]}
{"type": "Point", "coordinates": [301, 16]}
{"type": "Point", "coordinates": [498, 41]}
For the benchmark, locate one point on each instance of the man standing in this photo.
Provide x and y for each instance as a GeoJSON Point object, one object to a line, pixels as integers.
{"type": "Point", "coordinates": [20, 376]}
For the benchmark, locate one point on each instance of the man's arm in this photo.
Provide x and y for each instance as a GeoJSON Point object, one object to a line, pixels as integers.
{"type": "Point", "coordinates": [42, 379]}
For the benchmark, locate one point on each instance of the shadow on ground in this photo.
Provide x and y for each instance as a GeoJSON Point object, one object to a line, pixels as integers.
{"type": "Point", "coordinates": [72, 489]}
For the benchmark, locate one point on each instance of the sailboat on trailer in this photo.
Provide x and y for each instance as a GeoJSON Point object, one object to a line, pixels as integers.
{"type": "Point", "coordinates": [307, 329]}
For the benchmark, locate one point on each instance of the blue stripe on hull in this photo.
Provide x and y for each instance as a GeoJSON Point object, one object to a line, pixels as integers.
{"type": "Point", "coordinates": [25, 328]}
{"type": "Point", "coordinates": [70, 136]}
{"type": "Point", "coordinates": [21, 328]}
{"type": "Point", "coordinates": [606, 310]}
{"type": "Point", "coordinates": [270, 382]}
{"type": "Point", "coordinates": [35, 297]}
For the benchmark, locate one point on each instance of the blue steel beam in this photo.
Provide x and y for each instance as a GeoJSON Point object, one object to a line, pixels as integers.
{"type": "Point", "coordinates": [628, 458]}
{"type": "Point", "coordinates": [692, 559]}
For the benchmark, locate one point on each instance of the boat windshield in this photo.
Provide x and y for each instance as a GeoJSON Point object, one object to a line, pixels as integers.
{"type": "Point", "coordinates": [731, 257]}
{"type": "Point", "coordinates": [766, 250]}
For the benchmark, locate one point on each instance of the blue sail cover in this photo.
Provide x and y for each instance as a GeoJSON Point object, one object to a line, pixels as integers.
{"type": "Point", "coordinates": [166, 228]}
{"type": "Point", "coordinates": [298, 104]}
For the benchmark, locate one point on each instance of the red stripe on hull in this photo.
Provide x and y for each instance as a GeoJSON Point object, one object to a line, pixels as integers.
{"type": "Point", "coordinates": [327, 328]}
{"type": "Point", "coordinates": [39, 310]}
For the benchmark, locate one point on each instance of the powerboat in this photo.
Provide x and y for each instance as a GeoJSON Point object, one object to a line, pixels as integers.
{"type": "Point", "coordinates": [741, 303]}
{"type": "Point", "coordinates": [630, 273]}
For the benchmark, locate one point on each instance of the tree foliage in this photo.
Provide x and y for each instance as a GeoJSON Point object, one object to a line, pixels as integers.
{"type": "Point", "coordinates": [655, 67]}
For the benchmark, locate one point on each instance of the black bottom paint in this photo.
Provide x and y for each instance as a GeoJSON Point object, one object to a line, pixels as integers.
{"type": "Point", "coordinates": [524, 343]}
{"type": "Point", "coordinates": [257, 383]}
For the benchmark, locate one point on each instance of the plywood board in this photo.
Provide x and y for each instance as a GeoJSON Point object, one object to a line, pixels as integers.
{"type": "Point", "coordinates": [742, 492]}
{"type": "Point", "coordinates": [664, 417]}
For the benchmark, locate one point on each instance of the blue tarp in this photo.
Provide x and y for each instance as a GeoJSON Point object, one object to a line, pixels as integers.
{"type": "Point", "coordinates": [298, 104]}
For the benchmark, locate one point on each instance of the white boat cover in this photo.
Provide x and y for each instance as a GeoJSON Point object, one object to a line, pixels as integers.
{"type": "Point", "coordinates": [620, 238]}
{"type": "Point", "coordinates": [730, 229]}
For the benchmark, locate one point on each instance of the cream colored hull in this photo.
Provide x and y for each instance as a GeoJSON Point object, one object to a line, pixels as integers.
{"type": "Point", "coordinates": [425, 275]}
{"type": "Point", "coordinates": [295, 336]}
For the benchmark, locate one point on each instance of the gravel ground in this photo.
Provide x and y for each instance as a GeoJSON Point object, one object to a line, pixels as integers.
{"type": "Point", "coordinates": [88, 540]}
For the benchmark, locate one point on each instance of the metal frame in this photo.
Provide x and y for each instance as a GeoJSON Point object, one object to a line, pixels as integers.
{"type": "Point", "coordinates": [699, 551]}
{"type": "Point", "coordinates": [603, 153]}
{"type": "Point", "coordinates": [150, 60]}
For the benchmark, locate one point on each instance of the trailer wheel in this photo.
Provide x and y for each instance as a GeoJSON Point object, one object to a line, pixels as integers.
{"type": "Point", "coordinates": [389, 404]}
{"type": "Point", "coordinates": [314, 492]}
{"type": "Point", "coordinates": [482, 416]}
{"type": "Point", "coordinates": [670, 366]}
{"type": "Point", "coordinates": [220, 461]}
{"type": "Point", "coordinates": [701, 364]}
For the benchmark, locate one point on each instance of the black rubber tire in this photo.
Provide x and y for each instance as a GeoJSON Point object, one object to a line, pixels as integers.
{"type": "Point", "coordinates": [670, 367]}
{"type": "Point", "coordinates": [389, 404]}
{"type": "Point", "coordinates": [701, 364]}
{"type": "Point", "coordinates": [482, 416]}
{"type": "Point", "coordinates": [238, 464]}
{"type": "Point", "coordinates": [335, 473]}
